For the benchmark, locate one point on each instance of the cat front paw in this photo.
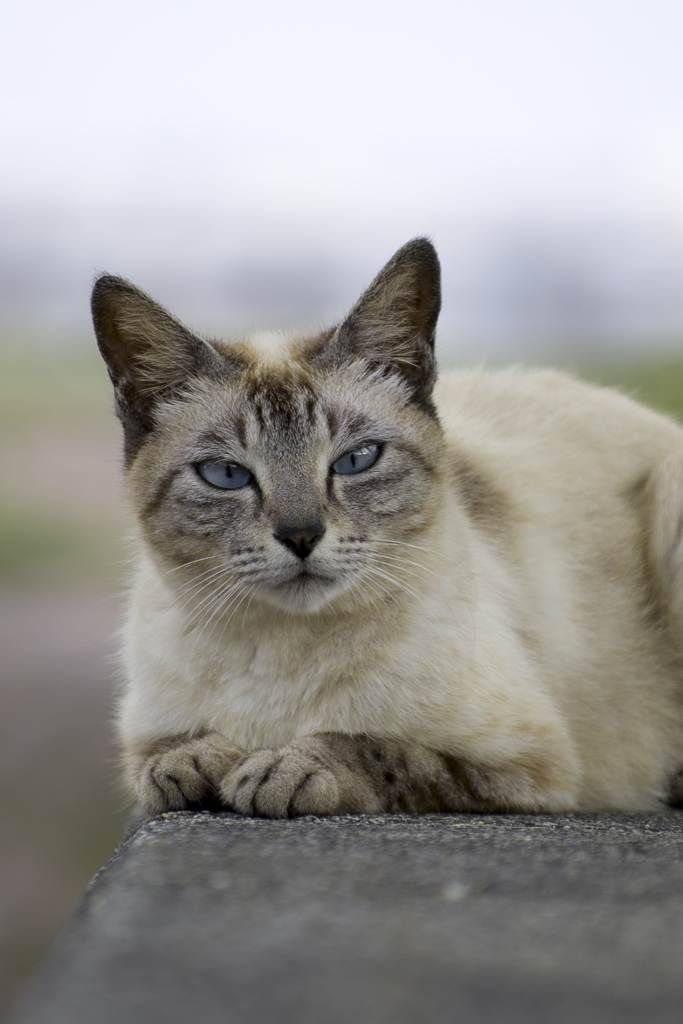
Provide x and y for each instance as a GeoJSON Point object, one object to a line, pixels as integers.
{"type": "Point", "coordinates": [184, 772]}
{"type": "Point", "coordinates": [303, 777]}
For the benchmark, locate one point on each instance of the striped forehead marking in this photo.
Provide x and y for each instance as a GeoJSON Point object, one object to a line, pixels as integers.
{"type": "Point", "coordinates": [282, 401]}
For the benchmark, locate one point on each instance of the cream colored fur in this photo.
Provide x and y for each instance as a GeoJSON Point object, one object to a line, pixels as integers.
{"type": "Point", "coordinates": [356, 593]}
{"type": "Point", "coordinates": [548, 627]}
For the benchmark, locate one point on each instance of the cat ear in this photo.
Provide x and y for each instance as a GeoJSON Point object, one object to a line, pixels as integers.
{"type": "Point", "coordinates": [142, 343]}
{"type": "Point", "coordinates": [393, 324]}
{"type": "Point", "coordinates": [150, 355]}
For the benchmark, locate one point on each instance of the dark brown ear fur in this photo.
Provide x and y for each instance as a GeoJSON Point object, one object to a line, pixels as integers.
{"type": "Point", "coordinates": [150, 355]}
{"type": "Point", "coordinates": [393, 324]}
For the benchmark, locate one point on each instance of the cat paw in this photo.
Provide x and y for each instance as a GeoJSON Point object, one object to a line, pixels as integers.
{"type": "Point", "coordinates": [675, 795]}
{"type": "Point", "coordinates": [183, 772]}
{"type": "Point", "coordinates": [304, 777]}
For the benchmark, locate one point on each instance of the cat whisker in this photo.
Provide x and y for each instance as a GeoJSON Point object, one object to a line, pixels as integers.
{"type": "Point", "coordinates": [195, 587]}
{"type": "Point", "coordinates": [377, 593]}
{"type": "Point", "coordinates": [200, 578]}
{"type": "Point", "coordinates": [224, 590]}
{"type": "Point", "coordinates": [233, 566]}
{"type": "Point", "coordinates": [250, 593]}
{"type": "Point", "coordinates": [399, 584]}
{"type": "Point", "coordinates": [380, 581]}
{"type": "Point", "coordinates": [401, 563]}
{"type": "Point", "coordinates": [216, 589]}
{"type": "Point", "coordinates": [198, 587]}
{"type": "Point", "coordinates": [220, 599]}
{"type": "Point", "coordinates": [405, 544]}
{"type": "Point", "coordinates": [186, 565]}
{"type": "Point", "coordinates": [217, 607]}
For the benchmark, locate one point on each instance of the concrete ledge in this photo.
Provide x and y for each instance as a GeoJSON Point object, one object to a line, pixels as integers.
{"type": "Point", "coordinates": [217, 918]}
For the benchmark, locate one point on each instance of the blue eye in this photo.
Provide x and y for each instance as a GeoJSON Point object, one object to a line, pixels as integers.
{"type": "Point", "coordinates": [357, 460]}
{"type": "Point", "coordinates": [230, 476]}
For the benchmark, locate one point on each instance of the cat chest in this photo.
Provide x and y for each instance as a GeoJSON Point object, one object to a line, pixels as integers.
{"type": "Point", "coordinates": [277, 695]}
{"type": "Point", "coordinates": [263, 694]}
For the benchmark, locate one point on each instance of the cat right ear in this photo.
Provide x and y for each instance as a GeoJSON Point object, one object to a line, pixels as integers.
{"type": "Point", "coordinates": [393, 324]}
{"type": "Point", "coordinates": [150, 355]}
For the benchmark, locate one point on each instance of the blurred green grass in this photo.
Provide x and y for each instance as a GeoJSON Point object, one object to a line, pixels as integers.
{"type": "Point", "coordinates": [62, 388]}
{"type": "Point", "coordinates": [34, 547]}
{"type": "Point", "coordinates": [657, 382]}
{"type": "Point", "coordinates": [56, 414]}
{"type": "Point", "coordinates": [37, 549]}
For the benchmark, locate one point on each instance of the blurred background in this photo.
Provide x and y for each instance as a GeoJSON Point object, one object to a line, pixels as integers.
{"type": "Point", "coordinates": [254, 165]}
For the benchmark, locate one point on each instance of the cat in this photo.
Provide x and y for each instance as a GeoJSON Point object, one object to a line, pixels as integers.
{"type": "Point", "coordinates": [360, 590]}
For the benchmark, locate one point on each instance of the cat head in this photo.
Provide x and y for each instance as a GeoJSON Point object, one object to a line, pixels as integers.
{"type": "Point", "coordinates": [293, 470]}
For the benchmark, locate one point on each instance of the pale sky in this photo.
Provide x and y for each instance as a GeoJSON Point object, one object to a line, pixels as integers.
{"type": "Point", "coordinates": [308, 125]}
{"type": "Point", "coordinates": [559, 107]}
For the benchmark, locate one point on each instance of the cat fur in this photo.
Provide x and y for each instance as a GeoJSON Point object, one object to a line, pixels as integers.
{"type": "Point", "coordinates": [492, 617]}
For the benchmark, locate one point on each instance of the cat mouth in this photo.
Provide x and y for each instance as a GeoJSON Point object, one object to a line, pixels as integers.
{"type": "Point", "coordinates": [303, 591]}
{"type": "Point", "coordinates": [305, 578]}
{"type": "Point", "coordinates": [303, 582]}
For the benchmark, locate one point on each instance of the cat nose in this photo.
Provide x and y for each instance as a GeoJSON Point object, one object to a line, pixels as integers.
{"type": "Point", "coordinates": [300, 539]}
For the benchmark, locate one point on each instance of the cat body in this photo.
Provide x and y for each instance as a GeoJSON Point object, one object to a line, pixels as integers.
{"type": "Point", "coordinates": [403, 596]}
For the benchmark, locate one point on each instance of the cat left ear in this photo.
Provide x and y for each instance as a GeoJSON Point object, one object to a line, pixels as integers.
{"type": "Point", "coordinates": [141, 342]}
{"type": "Point", "coordinates": [150, 355]}
{"type": "Point", "coordinates": [393, 324]}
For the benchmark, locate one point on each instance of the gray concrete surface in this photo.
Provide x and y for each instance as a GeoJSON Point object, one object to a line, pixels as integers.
{"type": "Point", "coordinates": [215, 918]}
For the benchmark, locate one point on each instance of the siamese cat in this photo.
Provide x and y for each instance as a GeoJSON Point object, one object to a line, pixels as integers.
{"type": "Point", "coordinates": [363, 590]}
